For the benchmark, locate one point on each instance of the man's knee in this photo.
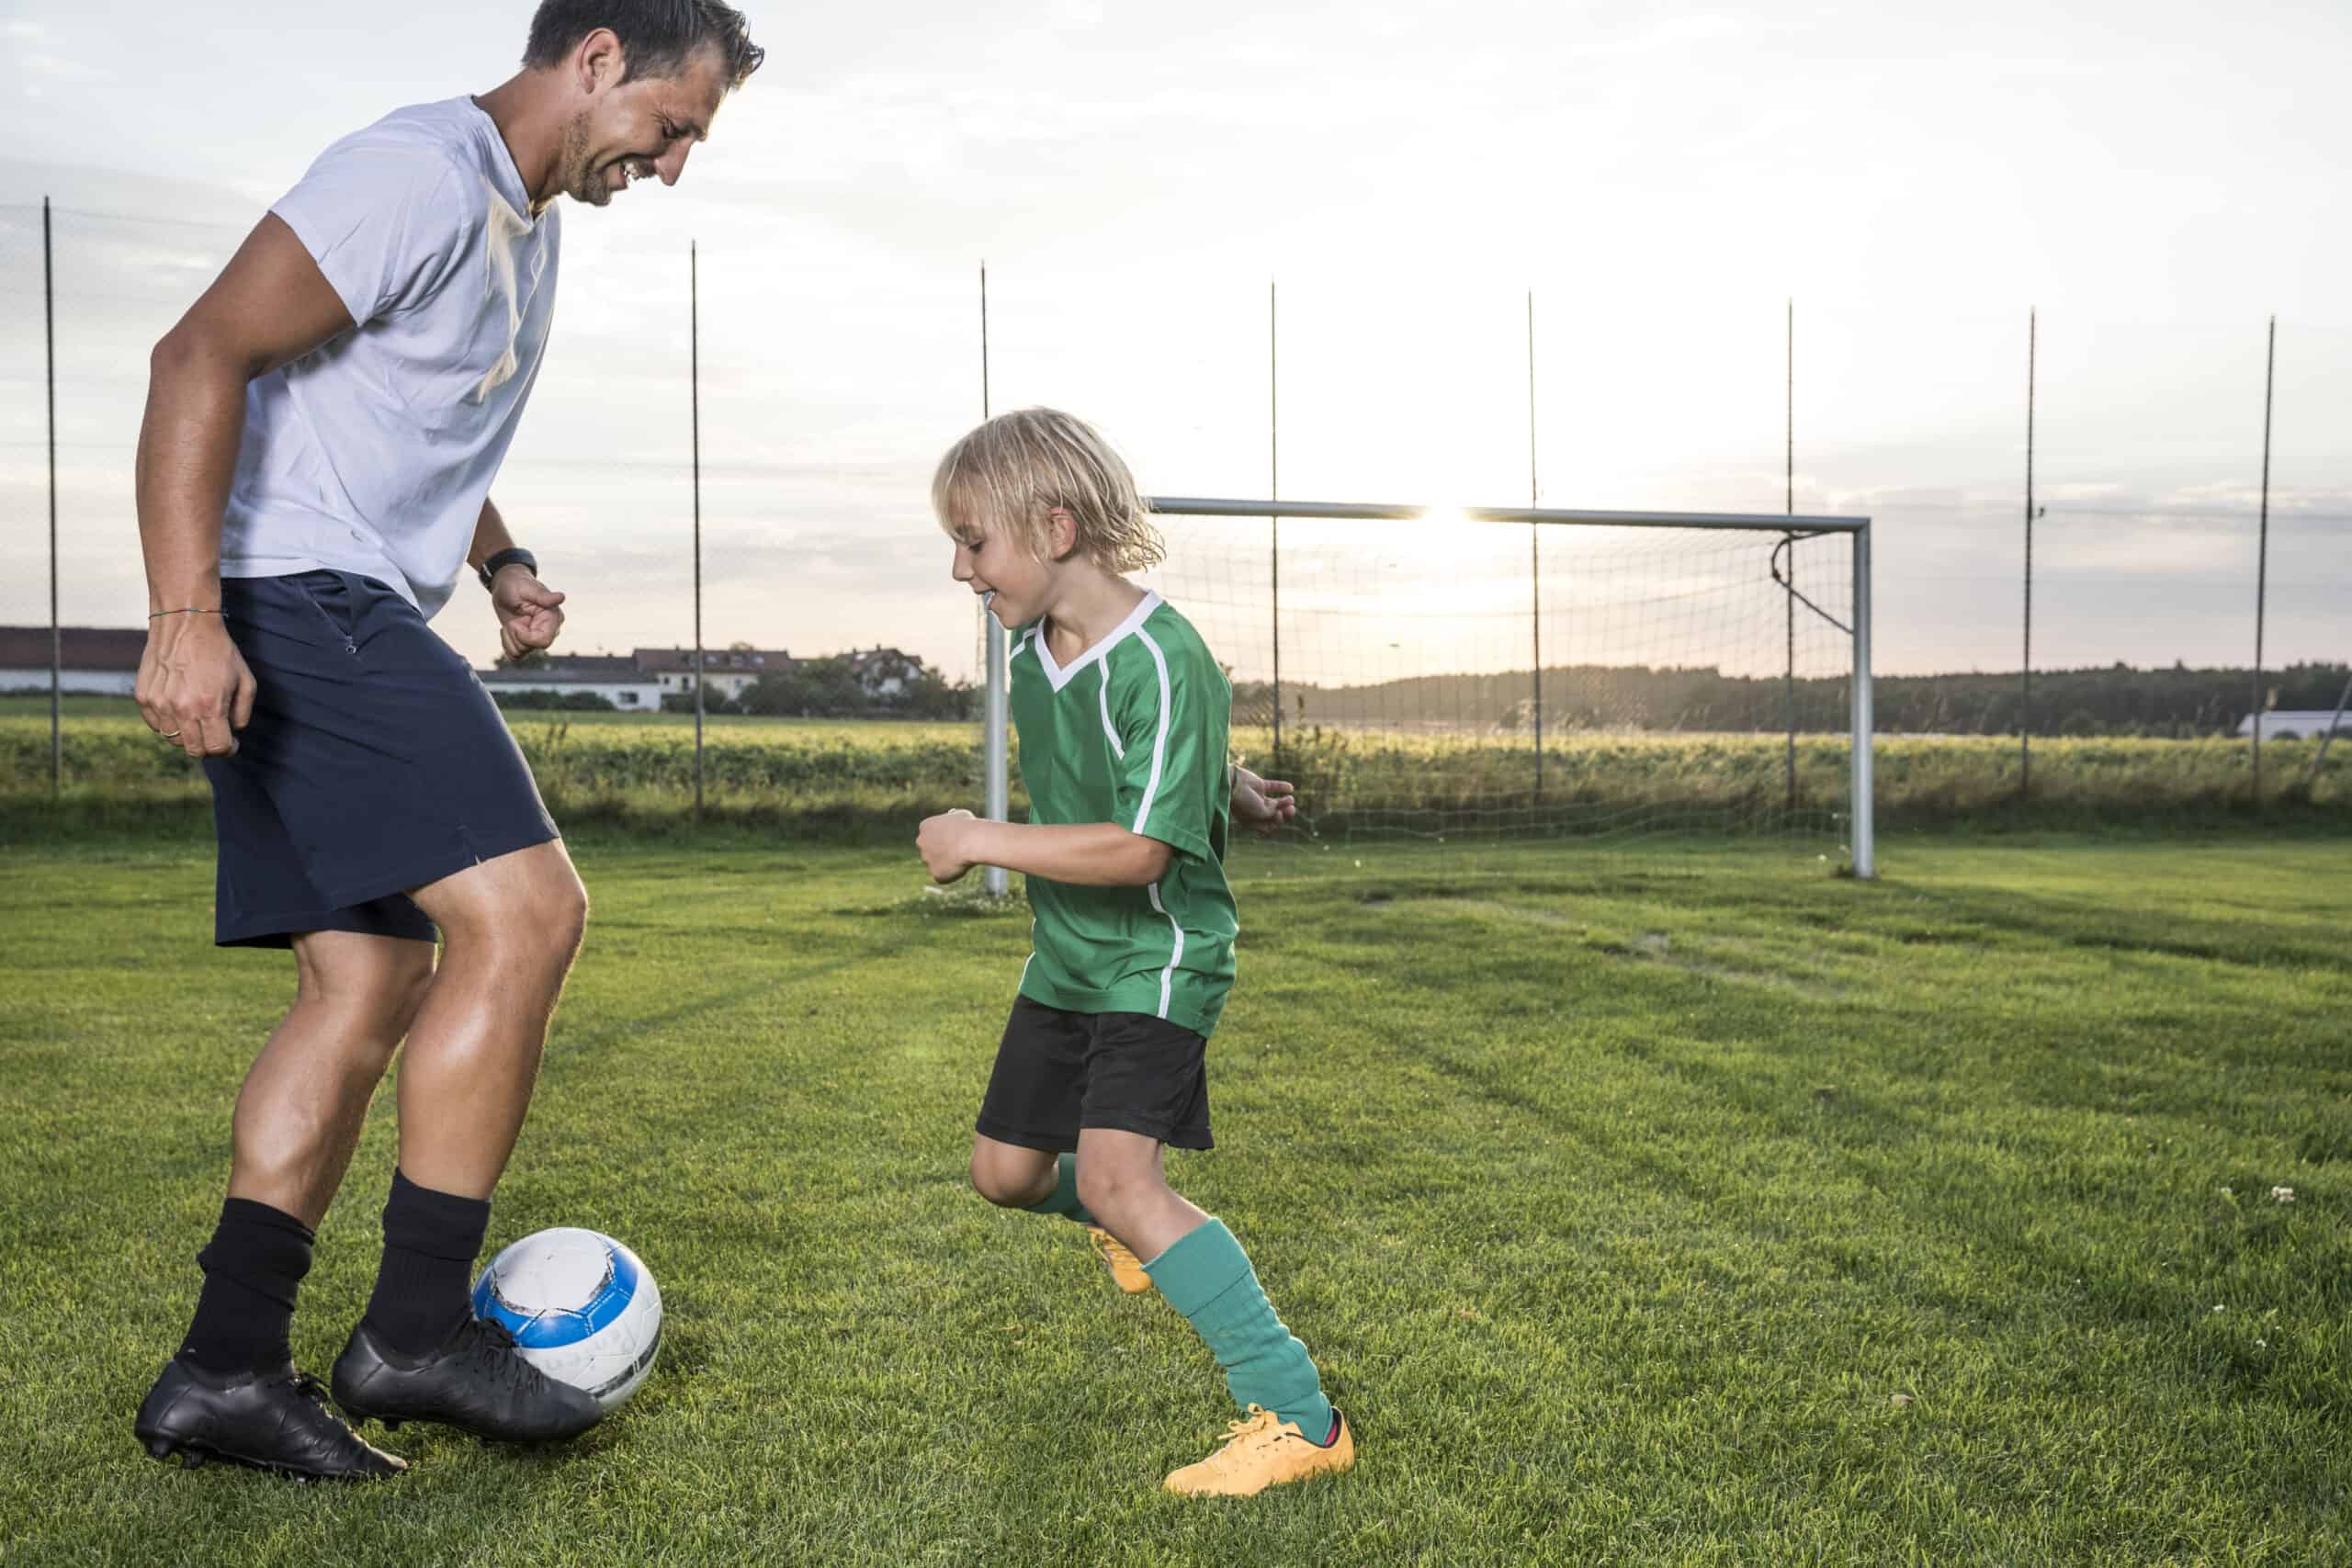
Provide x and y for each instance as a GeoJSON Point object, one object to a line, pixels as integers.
{"type": "Point", "coordinates": [559, 909]}
{"type": "Point", "coordinates": [530, 903]}
{"type": "Point", "coordinates": [546, 912]}
{"type": "Point", "coordinates": [373, 986]}
{"type": "Point", "coordinates": [405, 990]}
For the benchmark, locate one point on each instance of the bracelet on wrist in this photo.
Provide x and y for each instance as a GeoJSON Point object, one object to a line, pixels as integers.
{"type": "Point", "coordinates": [191, 609]}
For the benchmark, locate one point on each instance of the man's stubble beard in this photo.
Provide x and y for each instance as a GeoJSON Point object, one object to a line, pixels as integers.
{"type": "Point", "coordinates": [581, 177]}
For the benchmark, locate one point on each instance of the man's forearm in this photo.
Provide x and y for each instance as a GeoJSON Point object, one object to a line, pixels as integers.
{"type": "Point", "coordinates": [490, 535]}
{"type": "Point", "coordinates": [1094, 854]}
{"type": "Point", "coordinates": [187, 455]}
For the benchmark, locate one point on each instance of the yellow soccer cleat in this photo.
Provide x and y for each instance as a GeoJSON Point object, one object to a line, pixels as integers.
{"type": "Point", "coordinates": [1263, 1450]}
{"type": "Point", "coordinates": [1125, 1268]}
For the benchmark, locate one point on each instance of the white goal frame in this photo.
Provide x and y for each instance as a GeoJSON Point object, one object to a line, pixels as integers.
{"type": "Point", "coordinates": [996, 714]}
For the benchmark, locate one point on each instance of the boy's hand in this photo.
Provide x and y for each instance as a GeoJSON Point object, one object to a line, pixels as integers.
{"type": "Point", "coordinates": [1263, 806]}
{"type": "Point", "coordinates": [942, 842]}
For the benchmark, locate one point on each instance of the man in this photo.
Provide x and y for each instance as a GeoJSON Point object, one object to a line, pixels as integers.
{"type": "Point", "coordinates": [321, 431]}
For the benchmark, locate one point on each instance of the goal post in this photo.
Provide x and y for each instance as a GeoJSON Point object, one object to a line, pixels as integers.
{"type": "Point", "coordinates": [1430, 657]}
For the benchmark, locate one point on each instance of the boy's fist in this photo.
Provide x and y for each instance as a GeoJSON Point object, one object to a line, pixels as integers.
{"type": "Point", "coordinates": [943, 843]}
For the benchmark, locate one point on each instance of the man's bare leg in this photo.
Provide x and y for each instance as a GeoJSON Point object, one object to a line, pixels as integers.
{"type": "Point", "coordinates": [231, 1392]}
{"type": "Point", "coordinates": [298, 1115]}
{"type": "Point", "coordinates": [296, 1121]}
{"type": "Point", "coordinates": [510, 928]}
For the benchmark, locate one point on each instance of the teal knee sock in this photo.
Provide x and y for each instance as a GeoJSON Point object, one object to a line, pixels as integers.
{"type": "Point", "coordinates": [1063, 1198]}
{"type": "Point", "coordinates": [1207, 1277]}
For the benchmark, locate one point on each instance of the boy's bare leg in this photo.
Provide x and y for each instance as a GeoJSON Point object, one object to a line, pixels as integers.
{"type": "Point", "coordinates": [1013, 1177]}
{"type": "Point", "coordinates": [1288, 1430]}
{"type": "Point", "coordinates": [1124, 1184]}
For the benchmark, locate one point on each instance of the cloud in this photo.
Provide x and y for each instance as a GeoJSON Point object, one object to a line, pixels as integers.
{"type": "Point", "coordinates": [58, 70]}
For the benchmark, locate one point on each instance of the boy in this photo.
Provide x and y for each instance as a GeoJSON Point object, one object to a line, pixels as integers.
{"type": "Point", "coordinates": [1123, 716]}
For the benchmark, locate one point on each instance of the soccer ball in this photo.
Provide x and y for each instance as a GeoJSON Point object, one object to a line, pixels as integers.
{"type": "Point", "coordinates": [583, 1308]}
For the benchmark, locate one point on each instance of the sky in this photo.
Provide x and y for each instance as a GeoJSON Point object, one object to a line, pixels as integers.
{"type": "Point", "coordinates": [2155, 179]}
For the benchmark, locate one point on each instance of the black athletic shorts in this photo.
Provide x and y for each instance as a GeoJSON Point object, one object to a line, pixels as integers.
{"type": "Point", "coordinates": [376, 762]}
{"type": "Point", "coordinates": [1059, 1071]}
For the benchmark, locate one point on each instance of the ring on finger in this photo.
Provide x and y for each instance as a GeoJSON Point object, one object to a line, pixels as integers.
{"type": "Point", "coordinates": [169, 734]}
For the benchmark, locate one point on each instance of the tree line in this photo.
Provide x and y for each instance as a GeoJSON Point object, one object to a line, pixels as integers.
{"type": "Point", "coordinates": [2113, 700]}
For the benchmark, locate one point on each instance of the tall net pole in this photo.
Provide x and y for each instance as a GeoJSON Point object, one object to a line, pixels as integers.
{"type": "Point", "coordinates": [1534, 552]}
{"type": "Point", "coordinates": [1274, 492]}
{"type": "Point", "coordinates": [694, 394]}
{"type": "Point", "coordinates": [996, 706]}
{"type": "Point", "coordinates": [2262, 554]}
{"type": "Point", "coordinates": [1862, 786]}
{"type": "Point", "coordinates": [2025, 709]}
{"type": "Point", "coordinates": [56, 635]}
{"type": "Point", "coordinates": [1789, 599]}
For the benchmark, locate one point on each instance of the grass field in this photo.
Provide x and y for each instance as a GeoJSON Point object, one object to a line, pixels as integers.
{"type": "Point", "coordinates": [1697, 1207]}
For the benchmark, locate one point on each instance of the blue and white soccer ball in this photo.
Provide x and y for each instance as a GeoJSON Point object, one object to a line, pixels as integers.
{"type": "Point", "coordinates": [583, 1308]}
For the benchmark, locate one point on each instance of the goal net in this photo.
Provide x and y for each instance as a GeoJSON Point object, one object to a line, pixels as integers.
{"type": "Point", "coordinates": [1509, 674]}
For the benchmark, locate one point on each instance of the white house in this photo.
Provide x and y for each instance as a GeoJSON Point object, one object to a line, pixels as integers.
{"type": "Point", "coordinates": [96, 658]}
{"type": "Point", "coordinates": [884, 672]}
{"type": "Point", "coordinates": [616, 679]}
{"type": "Point", "coordinates": [731, 671]}
{"type": "Point", "coordinates": [2310, 723]}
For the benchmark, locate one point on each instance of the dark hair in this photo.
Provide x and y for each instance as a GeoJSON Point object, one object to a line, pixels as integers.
{"type": "Point", "coordinates": [657, 36]}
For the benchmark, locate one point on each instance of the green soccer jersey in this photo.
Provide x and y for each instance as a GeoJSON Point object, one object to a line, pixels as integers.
{"type": "Point", "coordinates": [1133, 732]}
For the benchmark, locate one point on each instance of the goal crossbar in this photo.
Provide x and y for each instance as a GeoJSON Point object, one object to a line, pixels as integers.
{"type": "Point", "coordinates": [1384, 512]}
{"type": "Point", "coordinates": [1864, 827]}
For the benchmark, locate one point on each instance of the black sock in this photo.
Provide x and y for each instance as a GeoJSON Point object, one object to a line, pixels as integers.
{"type": "Point", "coordinates": [429, 1242]}
{"type": "Point", "coordinates": [253, 1267]}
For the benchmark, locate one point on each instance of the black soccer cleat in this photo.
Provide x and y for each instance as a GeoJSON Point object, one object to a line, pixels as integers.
{"type": "Point", "coordinates": [278, 1421]}
{"type": "Point", "coordinates": [477, 1381]}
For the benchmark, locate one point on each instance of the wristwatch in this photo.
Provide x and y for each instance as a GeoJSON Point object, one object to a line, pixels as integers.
{"type": "Point", "coordinates": [511, 556]}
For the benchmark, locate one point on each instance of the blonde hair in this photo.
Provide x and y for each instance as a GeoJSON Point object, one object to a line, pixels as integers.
{"type": "Point", "coordinates": [1016, 469]}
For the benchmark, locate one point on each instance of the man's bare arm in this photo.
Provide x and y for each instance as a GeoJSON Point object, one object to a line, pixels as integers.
{"type": "Point", "coordinates": [490, 535]}
{"type": "Point", "coordinates": [269, 307]}
{"type": "Point", "coordinates": [530, 613]}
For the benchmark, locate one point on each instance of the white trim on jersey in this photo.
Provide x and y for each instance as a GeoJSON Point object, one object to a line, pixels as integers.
{"type": "Point", "coordinates": [1169, 974]}
{"type": "Point", "coordinates": [1110, 731]}
{"type": "Point", "coordinates": [1158, 738]}
{"type": "Point", "coordinates": [1134, 623]}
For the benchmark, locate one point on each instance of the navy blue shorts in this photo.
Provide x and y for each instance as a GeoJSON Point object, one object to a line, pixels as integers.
{"type": "Point", "coordinates": [375, 764]}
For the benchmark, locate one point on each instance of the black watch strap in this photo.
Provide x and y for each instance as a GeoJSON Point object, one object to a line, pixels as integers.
{"type": "Point", "coordinates": [513, 554]}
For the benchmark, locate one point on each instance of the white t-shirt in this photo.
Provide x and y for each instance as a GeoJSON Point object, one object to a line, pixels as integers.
{"type": "Point", "coordinates": [373, 454]}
